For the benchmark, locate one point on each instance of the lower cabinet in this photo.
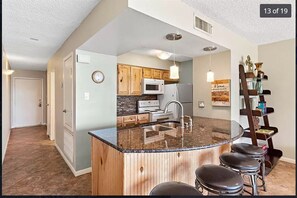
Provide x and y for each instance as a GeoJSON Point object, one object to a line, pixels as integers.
{"type": "Point", "coordinates": [123, 121]}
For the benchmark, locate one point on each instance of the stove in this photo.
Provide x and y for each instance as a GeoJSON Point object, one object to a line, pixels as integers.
{"type": "Point", "coordinates": [153, 108]}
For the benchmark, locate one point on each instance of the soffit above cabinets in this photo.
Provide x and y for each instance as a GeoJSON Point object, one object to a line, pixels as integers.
{"type": "Point", "coordinates": [139, 33]}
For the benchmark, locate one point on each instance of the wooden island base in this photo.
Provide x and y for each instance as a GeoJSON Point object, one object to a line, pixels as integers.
{"type": "Point", "coordinates": [117, 173]}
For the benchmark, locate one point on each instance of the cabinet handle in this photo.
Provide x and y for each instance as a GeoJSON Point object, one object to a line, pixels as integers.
{"type": "Point", "coordinates": [121, 79]}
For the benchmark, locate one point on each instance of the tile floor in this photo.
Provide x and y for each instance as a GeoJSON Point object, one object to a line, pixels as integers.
{"type": "Point", "coordinates": [33, 166]}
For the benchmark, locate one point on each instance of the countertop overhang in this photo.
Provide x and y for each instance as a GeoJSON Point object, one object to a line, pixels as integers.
{"type": "Point", "coordinates": [205, 133]}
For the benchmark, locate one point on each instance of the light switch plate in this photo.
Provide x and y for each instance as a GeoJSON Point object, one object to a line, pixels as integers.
{"type": "Point", "coordinates": [87, 96]}
{"type": "Point", "coordinates": [81, 58]}
{"type": "Point", "coordinates": [201, 104]}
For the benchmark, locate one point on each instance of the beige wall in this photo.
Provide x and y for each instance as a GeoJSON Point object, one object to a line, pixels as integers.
{"type": "Point", "coordinates": [279, 64]}
{"type": "Point", "coordinates": [100, 16]}
{"type": "Point", "coordinates": [6, 105]}
{"type": "Point", "coordinates": [145, 61]}
{"type": "Point", "coordinates": [34, 74]}
{"type": "Point", "coordinates": [221, 66]}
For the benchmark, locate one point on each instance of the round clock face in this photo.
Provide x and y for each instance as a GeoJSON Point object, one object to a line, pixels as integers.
{"type": "Point", "coordinates": [98, 77]}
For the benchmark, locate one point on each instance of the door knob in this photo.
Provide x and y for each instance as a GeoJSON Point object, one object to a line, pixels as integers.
{"type": "Point", "coordinates": [64, 110]}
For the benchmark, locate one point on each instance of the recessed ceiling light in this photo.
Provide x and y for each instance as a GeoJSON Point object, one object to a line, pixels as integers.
{"type": "Point", "coordinates": [34, 39]}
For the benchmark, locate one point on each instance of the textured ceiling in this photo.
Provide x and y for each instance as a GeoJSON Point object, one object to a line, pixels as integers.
{"type": "Point", "coordinates": [49, 21]}
{"type": "Point", "coordinates": [243, 18]}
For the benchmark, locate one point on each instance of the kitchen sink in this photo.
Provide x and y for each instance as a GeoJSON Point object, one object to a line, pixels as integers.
{"type": "Point", "coordinates": [157, 127]}
{"type": "Point", "coordinates": [171, 124]}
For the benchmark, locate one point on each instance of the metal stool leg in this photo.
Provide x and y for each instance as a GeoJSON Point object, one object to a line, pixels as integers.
{"type": "Point", "coordinates": [263, 174]}
{"type": "Point", "coordinates": [254, 184]}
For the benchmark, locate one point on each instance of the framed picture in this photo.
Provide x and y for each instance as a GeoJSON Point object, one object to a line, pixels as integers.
{"type": "Point", "coordinates": [220, 93]}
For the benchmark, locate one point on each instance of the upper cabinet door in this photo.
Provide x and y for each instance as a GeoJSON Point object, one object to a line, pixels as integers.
{"type": "Point", "coordinates": [135, 81]}
{"type": "Point", "coordinates": [166, 75]}
{"type": "Point", "coordinates": [147, 73]}
{"type": "Point", "coordinates": [157, 74]}
{"type": "Point", "coordinates": [123, 80]}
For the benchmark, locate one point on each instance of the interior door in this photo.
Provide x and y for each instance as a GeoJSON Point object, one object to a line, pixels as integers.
{"type": "Point", "coordinates": [27, 102]}
{"type": "Point", "coordinates": [51, 105]}
{"type": "Point", "coordinates": [68, 92]}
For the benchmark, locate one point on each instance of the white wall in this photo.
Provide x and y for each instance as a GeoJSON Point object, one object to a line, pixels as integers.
{"type": "Point", "coordinates": [34, 74]}
{"type": "Point", "coordinates": [279, 64]}
{"type": "Point", "coordinates": [145, 61]}
{"type": "Point", "coordinates": [221, 66]}
{"type": "Point", "coordinates": [6, 105]}
{"type": "Point", "coordinates": [100, 110]}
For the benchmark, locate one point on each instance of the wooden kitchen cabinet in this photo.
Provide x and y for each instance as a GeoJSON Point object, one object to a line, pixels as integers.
{"type": "Point", "coordinates": [128, 120]}
{"type": "Point", "coordinates": [166, 75]}
{"type": "Point", "coordinates": [142, 118]}
{"type": "Point", "coordinates": [147, 72]}
{"type": "Point", "coordinates": [157, 74]}
{"type": "Point", "coordinates": [135, 80]}
{"type": "Point", "coordinates": [123, 80]}
{"type": "Point", "coordinates": [119, 121]}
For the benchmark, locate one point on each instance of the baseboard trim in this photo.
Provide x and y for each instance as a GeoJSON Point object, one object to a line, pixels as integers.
{"type": "Point", "coordinates": [5, 147]}
{"type": "Point", "coordinates": [289, 160]}
{"type": "Point", "coordinates": [75, 173]}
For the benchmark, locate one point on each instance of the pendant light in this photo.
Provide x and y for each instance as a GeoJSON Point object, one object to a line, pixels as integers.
{"type": "Point", "coordinates": [174, 70]}
{"type": "Point", "coordinates": [210, 74]}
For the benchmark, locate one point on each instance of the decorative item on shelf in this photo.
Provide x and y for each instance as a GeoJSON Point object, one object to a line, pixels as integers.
{"type": "Point", "coordinates": [259, 86]}
{"type": "Point", "coordinates": [210, 74]}
{"type": "Point", "coordinates": [249, 64]}
{"type": "Point", "coordinates": [262, 106]}
{"type": "Point", "coordinates": [260, 73]}
{"type": "Point", "coordinates": [174, 70]}
{"type": "Point", "coordinates": [220, 93]}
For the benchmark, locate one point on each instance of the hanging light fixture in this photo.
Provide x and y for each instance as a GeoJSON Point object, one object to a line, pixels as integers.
{"type": "Point", "coordinates": [210, 74]}
{"type": "Point", "coordinates": [174, 70]}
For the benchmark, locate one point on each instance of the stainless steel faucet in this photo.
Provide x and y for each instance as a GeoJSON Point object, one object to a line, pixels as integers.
{"type": "Point", "coordinates": [182, 111]}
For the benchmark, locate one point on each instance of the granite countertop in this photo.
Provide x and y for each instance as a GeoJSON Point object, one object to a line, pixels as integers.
{"type": "Point", "coordinates": [205, 133]}
{"type": "Point", "coordinates": [130, 113]}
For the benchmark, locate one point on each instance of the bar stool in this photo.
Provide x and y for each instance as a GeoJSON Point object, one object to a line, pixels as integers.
{"type": "Point", "coordinates": [244, 165]}
{"type": "Point", "coordinates": [218, 180]}
{"type": "Point", "coordinates": [174, 188]}
{"type": "Point", "coordinates": [254, 152]}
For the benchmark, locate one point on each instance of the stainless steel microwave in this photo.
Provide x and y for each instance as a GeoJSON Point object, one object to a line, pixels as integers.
{"type": "Point", "coordinates": [152, 86]}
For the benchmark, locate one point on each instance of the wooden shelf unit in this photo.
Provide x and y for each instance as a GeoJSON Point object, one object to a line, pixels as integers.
{"type": "Point", "coordinates": [272, 155]}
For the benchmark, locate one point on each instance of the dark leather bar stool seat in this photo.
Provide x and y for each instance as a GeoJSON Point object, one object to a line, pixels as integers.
{"type": "Point", "coordinates": [218, 180]}
{"type": "Point", "coordinates": [174, 188]}
{"type": "Point", "coordinates": [254, 152]}
{"type": "Point", "coordinates": [242, 164]}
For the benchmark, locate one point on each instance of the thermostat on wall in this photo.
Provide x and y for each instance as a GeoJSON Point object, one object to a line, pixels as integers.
{"type": "Point", "coordinates": [81, 58]}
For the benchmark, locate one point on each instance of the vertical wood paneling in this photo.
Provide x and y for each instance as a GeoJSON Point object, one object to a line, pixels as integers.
{"type": "Point", "coordinates": [120, 173]}
{"type": "Point", "coordinates": [107, 169]}
{"type": "Point", "coordinates": [162, 167]}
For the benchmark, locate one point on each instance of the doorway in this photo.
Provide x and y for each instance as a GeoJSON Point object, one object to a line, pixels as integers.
{"type": "Point", "coordinates": [51, 105]}
{"type": "Point", "coordinates": [27, 102]}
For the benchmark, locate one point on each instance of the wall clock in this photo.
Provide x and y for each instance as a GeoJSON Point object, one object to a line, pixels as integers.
{"type": "Point", "coordinates": [97, 76]}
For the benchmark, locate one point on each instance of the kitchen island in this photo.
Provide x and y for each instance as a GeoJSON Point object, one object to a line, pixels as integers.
{"type": "Point", "coordinates": [131, 161]}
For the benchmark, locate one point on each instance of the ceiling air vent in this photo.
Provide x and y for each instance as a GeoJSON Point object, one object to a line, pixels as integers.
{"type": "Point", "coordinates": [202, 25]}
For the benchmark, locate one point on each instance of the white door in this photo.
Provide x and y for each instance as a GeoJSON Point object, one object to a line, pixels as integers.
{"type": "Point", "coordinates": [68, 106]}
{"type": "Point", "coordinates": [68, 92]}
{"type": "Point", "coordinates": [51, 105]}
{"type": "Point", "coordinates": [27, 102]}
